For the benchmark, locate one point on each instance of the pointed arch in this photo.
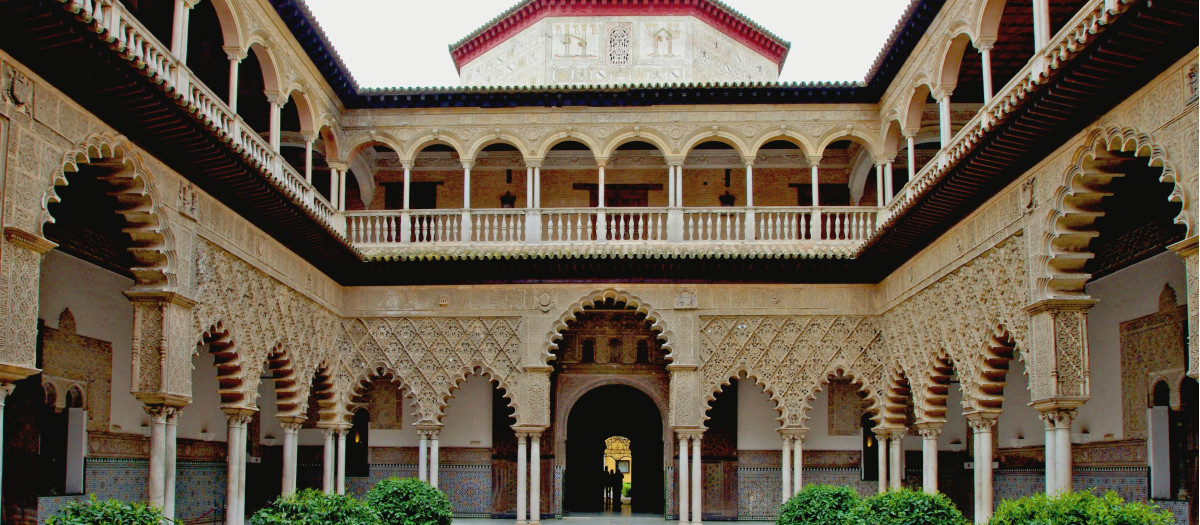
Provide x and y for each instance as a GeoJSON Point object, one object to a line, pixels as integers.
{"type": "Point", "coordinates": [152, 243]}
{"type": "Point", "coordinates": [896, 395]}
{"type": "Point", "coordinates": [614, 296]}
{"type": "Point", "coordinates": [930, 404]}
{"type": "Point", "coordinates": [380, 371]}
{"type": "Point", "coordinates": [1070, 224]}
{"type": "Point", "coordinates": [288, 402]}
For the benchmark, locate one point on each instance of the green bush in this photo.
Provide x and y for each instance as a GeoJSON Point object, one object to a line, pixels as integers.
{"type": "Point", "coordinates": [409, 502]}
{"type": "Point", "coordinates": [625, 488]}
{"type": "Point", "coordinates": [1078, 508]}
{"type": "Point", "coordinates": [313, 507]}
{"type": "Point", "coordinates": [819, 505]}
{"type": "Point", "coordinates": [111, 511]}
{"type": "Point", "coordinates": [908, 507]}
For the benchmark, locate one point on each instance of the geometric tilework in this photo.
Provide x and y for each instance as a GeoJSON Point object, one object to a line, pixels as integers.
{"type": "Point", "coordinates": [199, 485]}
{"type": "Point", "coordinates": [759, 492]}
{"type": "Point", "coordinates": [469, 487]}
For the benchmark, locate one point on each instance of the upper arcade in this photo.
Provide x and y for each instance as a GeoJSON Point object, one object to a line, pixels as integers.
{"type": "Point", "coordinates": [561, 42]}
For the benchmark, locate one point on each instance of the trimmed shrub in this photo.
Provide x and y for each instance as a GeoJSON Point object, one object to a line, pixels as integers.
{"type": "Point", "coordinates": [409, 502]}
{"type": "Point", "coordinates": [110, 511]}
{"type": "Point", "coordinates": [909, 507]}
{"type": "Point", "coordinates": [1078, 508]}
{"type": "Point", "coordinates": [313, 507]}
{"type": "Point", "coordinates": [819, 505]}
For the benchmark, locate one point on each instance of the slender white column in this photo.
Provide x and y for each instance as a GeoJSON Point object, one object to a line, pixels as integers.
{"type": "Point", "coordinates": [529, 187]}
{"type": "Point", "coordinates": [600, 190]}
{"type": "Point", "coordinates": [985, 56]}
{"type": "Point", "coordinates": [1041, 24]}
{"type": "Point", "coordinates": [422, 456]}
{"type": "Point", "coordinates": [308, 145]}
{"type": "Point", "coordinates": [983, 428]}
{"type": "Point", "coordinates": [1050, 446]}
{"type": "Point", "coordinates": [912, 156]}
{"type": "Point", "coordinates": [535, 478]}
{"type": "Point", "coordinates": [1062, 454]}
{"type": "Point", "coordinates": [929, 459]}
{"type": "Point", "coordinates": [235, 59]}
{"type": "Point", "coordinates": [679, 185]}
{"type": "Point", "coordinates": [881, 443]}
{"type": "Point", "coordinates": [944, 121]}
{"type": "Point", "coordinates": [341, 202]}
{"type": "Point", "coordinates": [797, 464]}
{"type": "Point", "coordinates": [341, 461]}
{"type": "Point", "coordinates": [697, 470]}
{"type": "Point", "coordinates": [522, 481]}
{"type": "Point", "coordinates": [751, 221]}
{"type": "Point", "coordinates": [327, 463]}
{"type": "Point", "coordinates": [750, 183]}
{"type": "Point", "coordinates": [243, 437]}
{"type": "Point", "coordinates": [888, 185]}
{"type": "Point", "coordinates": [291, 430]}
{"type": "Point", "coordinates": [537, 186]}
{"type": "Point", "coordinates": [407, 184]}
{"type": "Point", "coordinates": [895, 468]}
{"type": "Point", "coordinates": [815, 225]}
{"type": "Point", "coordinates": [670, 186]}
{"type": "Point", "coordinates": [684, 477]}
{"type": "Point", "coordinates": [231, 471]}
{"type": "Point", "coordinates": [276, 109]}
{"type": "Point", "coordinates": [433, 458]}
{"type": "Point", "coordinates": [786, 459]}
{"type": "Point", "coordinates": [879, 174]}
{"type": "Point", "coordinates": [169, 463]}
{"type": "Point", "coordinates": [158, 454]}
{"type": "Point", "coordinates": [177, 28]}
{"type": "Point", "coordinates": [466, 164]}
{"type": "Point", "coordinates": [333, 186]}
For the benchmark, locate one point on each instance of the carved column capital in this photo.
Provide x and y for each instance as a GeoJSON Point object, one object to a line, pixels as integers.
{"type": "Point", "coordinates": [795, 434]}
{"type": "Point", "coordinates": [239, 416]}
{"type": "Point", "coordinates": [291, 423]}
{"type": "Point", "coordinates": [982, 422]}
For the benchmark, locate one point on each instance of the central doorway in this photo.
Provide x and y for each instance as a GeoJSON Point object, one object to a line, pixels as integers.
{"type": "Point", "coordinates": [601, 414]}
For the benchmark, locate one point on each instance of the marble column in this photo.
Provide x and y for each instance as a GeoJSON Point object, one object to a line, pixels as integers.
{"type": "Point", "coordinates": [982, 428]}
{"type": "Point", "coordinates": [910, 139]}
{"type": "Point", "coordinates": [879, 174]}
{"type": "Point", "coordinates": [684, 479]}
{"type": "Point", "coordinates": [814, 183]}
{"type": "Point", "coordinates": [1050, 447]}
{"type": "Point", "coordinates": [522, 480]}
{"type": "Point", "coordinates": [235, 465]}
{"type": "Point", "coordinates": [308, 157]}
{"type": "Point", "coordinates": [169, 463]}
{"type": "Point", "coordinates": [535, 478]}
{"type": "Point", "coordinates": [786, 470]}
{"type": "Point", "coordinates": [327, 461]}
{"type": "Point", "coordinates": [158, 454]}
{"type": "Point", "coordinates": [341, 460]}
{"type": "Point", "coordinates": [697, 470]}
{"type": "Point", "coordinates": [1041, 25]}
{"type": "Point", "coordinates": [277, 102]}
{"type": "Point", "coordinates": [945, 129]}
{"type": "Point", "coordinates": [433, 458]}
{"type": "Point", "coordinates": [888, 184]}
{"type": "Point", "coordinates": [291, 431]}
{"type": "Point", "coordinates": [881, 446]}
{"type": "Point", "coordinates": [797, 463]}
{"type": "Point", "coordinates": [929, 458]}
{"type": "Point", "coordinates": [895, 459]}
{"type": "Point", "coordinates": [235, 56]}
{"type": "Point", "coordinates": [422, 455]}
{"type": "Point", "coordinates": [985, 57]}
{"type": "Point", "coordinates": [1063, 468]}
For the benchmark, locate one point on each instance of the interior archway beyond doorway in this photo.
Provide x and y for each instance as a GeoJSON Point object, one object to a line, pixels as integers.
{"type": "Point", "coordinates": [606, 411]}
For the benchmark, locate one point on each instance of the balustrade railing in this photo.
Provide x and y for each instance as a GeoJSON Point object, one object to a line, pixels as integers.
{"type": "Point", "coordinates": [143, 49]}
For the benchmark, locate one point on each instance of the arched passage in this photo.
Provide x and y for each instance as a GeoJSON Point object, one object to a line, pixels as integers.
{"type": "Point", "coordinates": [601, 413]}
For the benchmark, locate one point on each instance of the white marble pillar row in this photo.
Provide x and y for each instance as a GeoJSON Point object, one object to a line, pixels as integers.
{"type": "Point", "coordinates": [895, 460]}
{"type": "Point", "coordinates": [910, 139]}
{"type": "Point", "coordinates": [422, 456]}
{"type": "Point", "coordinates": [600, 188]}
{"type": "Point", "coordinates": [929, 458]}
{"type": "Point", "coordinates": [522, 479]}
{"type": "Point", "coordinates": [670, 186]}
{"type": "Point", "coordinates": [466, 164]}
{"type": "Point", "coordinates": [308, 157]}
{"type": "Point", "coordinates": [407, 184]}
{"type": "Point", "coordinates": [888, 184]}
{"type": "Point", "coordinates": [945, 129]}
{"type": "Point", "coordinates": [158, 453]}
{"type": "Point", "coordinates": [750, 183]}
{"type": "Point", "coordinates": [697, 490]}
{"type": "Point", "coordinates": [879, 174]}
{"type": "Point", "coordinates": [235, 56]}
{"type": "Point", "coordinates": [234, 451]}
{"type": "Point", "coordinates": [786, 470]}
{"type": "Point", "coordinates": [341, 460]}
{"type": "Point", "coordinates": [243, 441]}
{"type": "Point", "coordinates": [327, 460]}
{"type": "Point", "coordinates": [535, 478]}
{"type": "Point", "coordinates": [815, 225]}
{"type": "Point", "coordinates": [341, 202]}
{"type": "Point", "coordinates": [684, 478]}
{"type": "Point", "coordinates": [275, 117]}
{"type": "Point", "coordinates": [537, 186]}
{"type": "Point", "coordinates": [169, 463]}
{"type": "Point", "coordinates": [333, 186]}
{"type": "Point", "coordinates": [797, 463]}
{"type": "Point", "coordinates": [983, 428]}
{"type": "Point", "coordinates": [985, 57]}
{"type": "Point", "coordinates": [529, 187]}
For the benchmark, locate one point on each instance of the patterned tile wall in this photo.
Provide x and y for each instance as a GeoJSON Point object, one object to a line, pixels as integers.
{"type": "Point", "coordinates": [469, 487]}
{"type": "Point", "coordinates": [199, 485]}
{"type": "Point", "coordinates": [1129, 482]}
{"type": "Point", "coordinates": [759, 492]}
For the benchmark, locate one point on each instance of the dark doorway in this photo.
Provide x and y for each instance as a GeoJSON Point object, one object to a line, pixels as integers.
{"type": "Point", "coordinates": [614, 410]}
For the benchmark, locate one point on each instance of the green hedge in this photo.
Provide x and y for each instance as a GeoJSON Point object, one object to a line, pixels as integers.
{"type": "Point", "coordinates": [833, 505]}
{"type": "Point", "coordinates": [313, 507]}
{"type": "Point", "coordinates": [409, 502]}
{"type": "Point", "coordinates": [108, 512]}
{"type": "Point", "coordinates": [820, 504]}
{"type": "Point", "coordinates": [1078, 508]}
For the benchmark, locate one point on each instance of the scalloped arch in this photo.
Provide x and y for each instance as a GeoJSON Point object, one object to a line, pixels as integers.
{"type": "Point", "coordinates": [152, 243]}
{"type": "Point", "coordinates": [845, 371]}
{"type": "Point", "coordinates": [1070, 222]}
{"type": "Point", "coordinates": [632, 302]}
{"type": "Point", "coordinates": [358, 388]}
{"type": "Point", "coordinates": [465, 374]}
{"type": "Point", "coordinates": [740, 373]}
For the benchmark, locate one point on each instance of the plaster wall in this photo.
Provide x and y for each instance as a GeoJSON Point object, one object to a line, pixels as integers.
{"type": "Point", "coordinates": [818, 437]}
{"type": "Point", "coordinates": [756, 419]}
{"type": "Point", "coordinates": [468, 419]}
